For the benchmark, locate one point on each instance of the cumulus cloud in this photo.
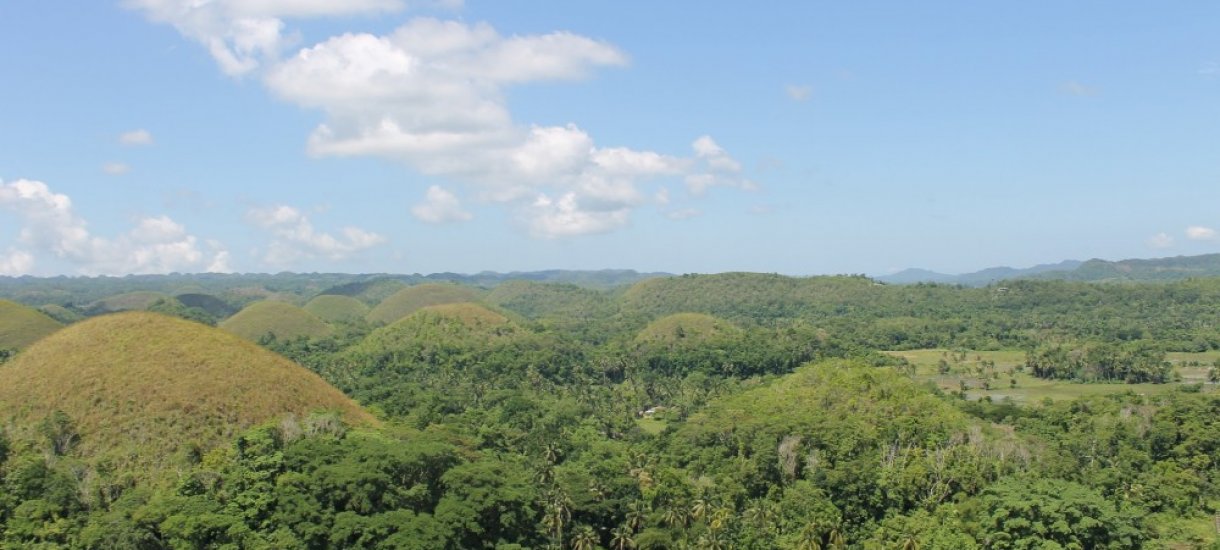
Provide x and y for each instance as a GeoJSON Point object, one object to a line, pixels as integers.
{"type": "Point", "coordinates": [16, 262]}
{"type": "Point", "coordinates": [294, 237]}
{"type": "Point", "coordinates": [432, 94]}
{"type": "Point", "coordinates": [1160, 241]}
{"type": "Point", "coordinates": [798, 92]}
{"type": "Point", "coordinates": [136, 137]}
{"type": "Point", "coordinates": [440, 206]}
{"type": "Point", "coordinates": [1200, 233]}
{"type": "Point", "coordinates": [116, 168]}
{"type": "Point", "coordinates": [243, 35]}
{"type": "Point", "coordinates": [50, 225]}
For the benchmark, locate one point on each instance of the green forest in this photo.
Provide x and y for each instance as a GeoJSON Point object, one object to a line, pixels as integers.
{"type": "Point", "coordinates": [612, 411]}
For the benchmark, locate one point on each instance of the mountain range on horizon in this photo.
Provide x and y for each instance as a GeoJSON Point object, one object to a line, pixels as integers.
{"type": "Point", "coordinates": [1094, 270]}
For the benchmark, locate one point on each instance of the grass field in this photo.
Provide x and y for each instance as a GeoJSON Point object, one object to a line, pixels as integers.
{"type": "Point", "coordinates": [992, 373]}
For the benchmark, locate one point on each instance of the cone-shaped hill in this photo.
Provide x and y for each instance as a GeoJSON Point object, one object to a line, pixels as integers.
{"type": "Point", "coordinates": [21, 326]}
{"type": "Point", "coordinates": [370, 292]}
{"type": "Point", "coordinates": [334, 308]}
{"type": "Point", "coordinates": [685, 330]}
{"type": "Point", "coordinates": [411, 299]}
{"type": "Point", "coordinates": [446, 325]}
{"type": "Point", "coordinates": [143, 389]}
{"type": "Point", "coordinates": [284, 320]}
{"type": "Point", "coordinates": [128, 301]}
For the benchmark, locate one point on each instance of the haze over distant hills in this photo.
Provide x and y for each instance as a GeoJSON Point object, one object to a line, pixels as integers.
{"type": "Point", "coordinates": [1096, 270]}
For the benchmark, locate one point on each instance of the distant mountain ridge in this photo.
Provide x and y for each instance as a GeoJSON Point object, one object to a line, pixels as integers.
{"type": "Point", "coordinates": [1094, 270]}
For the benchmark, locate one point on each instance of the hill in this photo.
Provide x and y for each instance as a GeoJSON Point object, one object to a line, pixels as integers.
{"type": "Point", "coordinates": [335, 308]}
{"type": "Point", "coordinates": [127, 301]}
{"type": "Point", "coordinates": [371, 292]}
{"type": "Point", "coordinates": [61, 313]}
{"type": "Point", "coordinates": [411, 299]}
{"type": "Point", "coordinates": [685, 329]}
{"type": "Point", "coordinates": [285, 321]}
{"type": "Point", "coordinates": [210, 304]}
{"type": "Point", "coordinates": [21, 326]}
{"type": "Point", "coordinates": [140, 389]}
{"type": "Point", "coordinates": [1155, 269]}
{"type": "Point", "coordinates": [979, 278]}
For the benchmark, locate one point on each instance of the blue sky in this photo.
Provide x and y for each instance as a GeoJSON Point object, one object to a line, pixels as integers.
{"type": "Point", "coordinates": [800, 137]}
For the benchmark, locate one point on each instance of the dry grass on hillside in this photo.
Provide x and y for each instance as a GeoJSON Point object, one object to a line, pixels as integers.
{"type": "Point", "coordinates": [284, 320]}
{"type": "Point", "coordinates": [142, 389]}
{"type": "Point", "coordinates": [21, 326]}
{"type": "Point", "coordinates": [411, 299]}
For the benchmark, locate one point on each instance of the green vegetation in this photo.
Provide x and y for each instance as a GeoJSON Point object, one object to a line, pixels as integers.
{"type": "Point", "coordinates": [704, 411]}
{"type": "Point", "coordinates": [410, 299]}
{"type": "Point", "coordinates": [61, 313]}
{"type": "Point", "coordinates": [21, 326]}
{"type": "Point", "coordinates": [334, 308]}
{"type": "Point", "coordinates": [278, 320]}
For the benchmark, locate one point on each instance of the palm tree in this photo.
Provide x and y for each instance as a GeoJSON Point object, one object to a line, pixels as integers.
{"type": "Point", "coordinates": [675, 516]}
{"type": "Point", "coordinates": [636, 514]}
{"type": "Point", "coordinates": [699, 508]}
{"type": "Point", "coordinates": [711, 540]}
{"type": "Point", "coordinates": [835, 538]}
{"type": "Point", "coordinates": [584, 538]}
{"type": "Point", "coordinates": [620, 538]}
{"type": "Point", "coordinates": [811, 537]}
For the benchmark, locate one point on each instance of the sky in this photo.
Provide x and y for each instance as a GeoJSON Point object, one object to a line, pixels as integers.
{"type": "Point", "coordinates": [404, 136]}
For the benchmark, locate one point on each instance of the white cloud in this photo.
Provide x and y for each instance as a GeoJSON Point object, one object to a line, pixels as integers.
{"type": "Point", "coordinates": [294, 237]}
{"type": "Point", "coordinates": [50, 225]}
{"type": "Point", "coordinates": [136, 137]}
{"type": "Point", "coordinates": [1209, 69]}
{"type": "Point", "coordinates": [1200, 233]}
{"type": "Point", "coordinates": [1160, 241]}
{"type": "Point", "coordinates": [116, 168]}
{"type": "Point", "coordinates": [16, 262]}
{"type": "Point", "coordinates": [433, 94]}
{"type": "Point", "coordinates": [550, 218]}
{"type": "Point", "coordinates": [243, 35]}
{"type": "Point", "coordinates": [798, 92]}
{"type": "Point", "coordinates": [440, 206]}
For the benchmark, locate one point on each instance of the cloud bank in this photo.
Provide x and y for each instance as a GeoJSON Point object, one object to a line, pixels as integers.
{"type": "Point", "coordinates": [50, 227]}
{"type": "Point", "coordinates": [432, 95]}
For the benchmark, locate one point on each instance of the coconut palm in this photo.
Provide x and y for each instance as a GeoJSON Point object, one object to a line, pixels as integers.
{"type": "Point", "coordinates": [620, 538]}
{"type": "Point", "coordinates": [584, 538]}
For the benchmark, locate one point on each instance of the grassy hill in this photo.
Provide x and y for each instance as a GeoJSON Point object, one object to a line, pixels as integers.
{"type": "Point", "coordinates": [411, 299]}
{"type": "Point", "coordinates": [371, 292]}
{"type": "Point", "coordinates": [127, 301]}
{"type": "Point", "coordinates": [285, 321]}
{"type": "Point", "coordinates": [333, 308]}
{"type": "Point", "coordinates": [210, 304]}
{"type": "Point", "coordinates": [21, 326]}
{"type": "Point", "coordinates": [686, 329]}
{"type": "Point", "coordinates": [141, 389]}
{"type": "Point", "coordinates": [61, 313]}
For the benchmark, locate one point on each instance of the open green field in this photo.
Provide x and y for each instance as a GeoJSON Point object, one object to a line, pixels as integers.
{"type": "Point", "coordinates": [998, 374]}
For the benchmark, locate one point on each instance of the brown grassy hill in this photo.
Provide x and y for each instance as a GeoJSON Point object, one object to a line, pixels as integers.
{"type": "Point", "coordinates": [142, 389]}
{"type": "Point", "coordinates": [411, 299]}
{"type": "Point", "coordinates": [285, 321]}
{"type": "Point", "coordinates": [334, 308]}
{"type": "Point", "coordinates": [21, 326]}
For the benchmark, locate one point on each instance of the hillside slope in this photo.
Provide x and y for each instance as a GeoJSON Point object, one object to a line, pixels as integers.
{"type": "Point", "coordinates": [140, 389]}
{"type": "Point", "coordinates": [21, 326]}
